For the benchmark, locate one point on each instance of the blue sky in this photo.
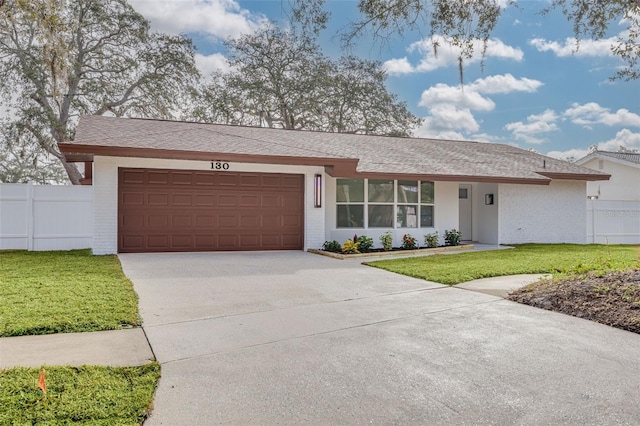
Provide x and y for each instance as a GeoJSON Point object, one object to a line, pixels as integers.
{"type": "Point", "coordinates": [534, 92]}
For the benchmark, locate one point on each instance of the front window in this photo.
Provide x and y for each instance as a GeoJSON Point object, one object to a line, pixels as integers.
{"type": "Point", "coordinates": [380, 208]}
{"type": "Point", "coordinates": [350, 201]}
{"type": "Point", "coordinates": [384, 203]}
{"type": "Point", "coordinates": [426, 204]}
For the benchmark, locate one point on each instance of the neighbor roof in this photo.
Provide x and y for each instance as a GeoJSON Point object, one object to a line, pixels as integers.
{"type": "Point", "coordinates": [627, 157]}
{"type": "Point", "coordinates": [344, 155]}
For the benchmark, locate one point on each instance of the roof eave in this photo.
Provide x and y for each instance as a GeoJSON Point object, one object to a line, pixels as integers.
{"type": "Point", "coordinates": [575, 176]}
{"type": "Point", "coordinates": [73, 152]}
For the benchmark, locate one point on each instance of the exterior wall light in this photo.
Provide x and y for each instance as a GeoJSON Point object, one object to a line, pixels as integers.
{"type": "Point", "coordinates": [488, 199]}
{"type": "Point", "coordinates": [317, 186]}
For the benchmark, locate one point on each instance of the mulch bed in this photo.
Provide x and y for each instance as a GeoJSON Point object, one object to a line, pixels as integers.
{"type": "Point", "coordinates": [612, 299]}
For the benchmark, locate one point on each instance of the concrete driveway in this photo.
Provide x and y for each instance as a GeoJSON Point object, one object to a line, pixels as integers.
{"type": "Point", "coordinates": [297, 338]}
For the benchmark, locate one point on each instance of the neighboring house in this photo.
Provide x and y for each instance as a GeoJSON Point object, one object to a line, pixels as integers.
{"type": "Point", "coordinates": [624, 168]}
{"type": "Point", "coordinates": [177, 186]}
{"type": "Point", "coordinates": [613, 209]}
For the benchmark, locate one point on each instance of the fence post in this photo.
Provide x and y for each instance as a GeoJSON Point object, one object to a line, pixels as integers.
{"type": "Point", "coordinates": [593, 222]}
{"type": "Point", "coordinates": [30, 216]}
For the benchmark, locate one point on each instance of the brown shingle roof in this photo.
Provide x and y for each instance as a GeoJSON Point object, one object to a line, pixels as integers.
{"type": "Point", "coordinates": [348, 154]}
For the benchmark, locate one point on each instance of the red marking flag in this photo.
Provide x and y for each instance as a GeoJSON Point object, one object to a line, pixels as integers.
{"type": "Point", "coordinates": [41, 383]}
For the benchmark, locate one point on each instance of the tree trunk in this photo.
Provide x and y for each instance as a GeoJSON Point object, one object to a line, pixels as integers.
{"type": "Point", "coordinates": [72, 171]}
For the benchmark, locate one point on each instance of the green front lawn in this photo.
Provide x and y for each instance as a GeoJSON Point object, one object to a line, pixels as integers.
{"type": "Point", "coordinates": [63, 292]}
{"type": "Point", "coordinates": [78, 395]}
{"type": "Point", "coordinates": [523, 259]}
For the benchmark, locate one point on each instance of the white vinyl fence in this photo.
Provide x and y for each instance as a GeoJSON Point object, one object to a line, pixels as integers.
{"type": "Point", "coordinates": [613, 222]}
{"type": "Point", "coordinates": [45, 217]}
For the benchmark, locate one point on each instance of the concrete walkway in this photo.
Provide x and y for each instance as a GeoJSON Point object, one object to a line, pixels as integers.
{"type": "Point", "coordinates": [117, 348]}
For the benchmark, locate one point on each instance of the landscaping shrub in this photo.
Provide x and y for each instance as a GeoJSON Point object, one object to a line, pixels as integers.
{"type": "Point", "coordinates": [431, 240]}
{"type": "Point", "coordinates": [350, 247]}
{"type": "Point", "coordinates": [332, 246]}
{"type": "Point", "coordinates": [365, 243]}
{"type": "Point", "coordinates": [452, 237]}
{"type": "Point", "coordinates": [387, 241]}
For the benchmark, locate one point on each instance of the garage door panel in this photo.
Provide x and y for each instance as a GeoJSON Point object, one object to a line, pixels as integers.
{"type": "Point", "coordinates": [132, 221]}
{"type": "Point", "coordinates": [132, 242]}
{"type": "Point", "coordinates": [205, 200]}
{"type": "Point", "coordinates": [228, 179]}
{"type": "Point", "coordinates": [160, 177]}
{"type": "Point", "coordinates": [132, 176]}
{"type": "Point", "coordinates": [133, 199]}
{"type": "Point", "coordinates": [206, 221]}
{"type": "Point", "coordinates": [250, 221]}
{"type": "Point", "coordinates": [206, 242]}
{"type": "Point", "coordinates": [249, 181]}
{"type": "Point", "coordinates": [158, 199]}
{"type": "Point", "coordinates": [290, 202]}
{"type": "Point", "coordinates": [181, 241]}
{"type": "Point", "coordinates": [228, 242]}
{"type": "Point", "coordinates": [269, 200]}
{"type": "Point", "coordinates": [290, 221]}
{"type": "Point", "coordinates": [225, 222]}
{"type": "Point", "coordinates": [273, 181]}
{"type": "Point", "coordinates": [158, 242]}
{"type": "Point", "coordinates": [250, 242]}
{"type": "Point", "coordinates": [228, 200]}
{"type": "Point", "coordinates": [184, 200]}
{"type": "Point", "coordinates": [250, 201]}
{"type": "Point", "coordinates": [182, 221]}
{"type": "Point", "coordinates": [291, 240]}
{"type": "Point", "coordinates": [292, 182]}
{"type": "Point", "coordinates": [204, 179]}
{"type": "Point", "coordinates": [182, 210]}
{"type": "Point", "coordinates": [182, 178]}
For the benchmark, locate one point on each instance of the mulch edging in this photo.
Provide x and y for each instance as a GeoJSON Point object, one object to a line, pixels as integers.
{"type": "Point", "coordinates": [424, 251]}
{"type": "Point", "coordinates": [612, 299]}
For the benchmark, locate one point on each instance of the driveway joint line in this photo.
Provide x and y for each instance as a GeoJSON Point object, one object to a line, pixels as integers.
{"type": "Point", "coordinates": [424, 289]}
{"type": "Point", "coordinates": [321, 333]}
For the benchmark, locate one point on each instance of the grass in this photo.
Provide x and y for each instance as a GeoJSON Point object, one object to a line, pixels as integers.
{"type": "Point", "coordinates": [63, 292]}
{"type": "Point", "coordinates": [79, 395]}
{"type": "Point", "coordinates": [556, 259]}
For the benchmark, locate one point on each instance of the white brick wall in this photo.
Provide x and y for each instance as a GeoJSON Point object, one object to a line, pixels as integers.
{"type": "Point", "coordinates": [105, 193]}
{"type": "Point", "coordinates": [543, 214]}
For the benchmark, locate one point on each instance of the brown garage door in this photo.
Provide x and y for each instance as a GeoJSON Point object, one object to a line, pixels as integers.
{"type": "Point", "coordinates": [184, 210]}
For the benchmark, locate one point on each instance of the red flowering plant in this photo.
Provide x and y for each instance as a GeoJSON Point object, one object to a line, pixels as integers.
{"type": "Point", "coordinates": [409, 242]}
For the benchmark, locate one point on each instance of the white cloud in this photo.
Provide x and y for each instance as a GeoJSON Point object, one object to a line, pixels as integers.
{"type": "Point", "coordinates": [592, 113]}
{"type": "Point", "coordinates": [505, 83]}
{"type": "Point", "coordinates": [443, 94]}
{"type": "Point", "coordinates": [218, 18]}
{"type": "Point", "coordinates": [448, 55]}
{"type": "Point", "coordinates": [451, 107]}
{"type": "Point", "coordinates": [625, 138]}
{"type": "Point", "coordinates": [450, 118]}
{"type": "Point", "coordinates": [398, 66]}
{"type": "Point", "coordinates": [570, 47]}
{"type": "Point", "coordinates": [211, 63]}
{"type": "Point", "coordinates": [536, 124]}
{"type": "Point", "coordinates": [570, 154]}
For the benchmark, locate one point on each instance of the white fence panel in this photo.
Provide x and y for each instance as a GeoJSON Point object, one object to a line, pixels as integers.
{"type": "Point", "coordinates": [48, 217]}
{"type": "Point", "coordinates": [613, 222]}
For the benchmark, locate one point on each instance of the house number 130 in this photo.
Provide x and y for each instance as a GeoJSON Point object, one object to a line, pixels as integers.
{"type": "Point", "coordinates": [217, 165]}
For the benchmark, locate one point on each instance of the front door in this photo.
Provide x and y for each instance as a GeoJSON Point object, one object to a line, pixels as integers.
{"type": "Point", "coordinates": [464, 198]}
